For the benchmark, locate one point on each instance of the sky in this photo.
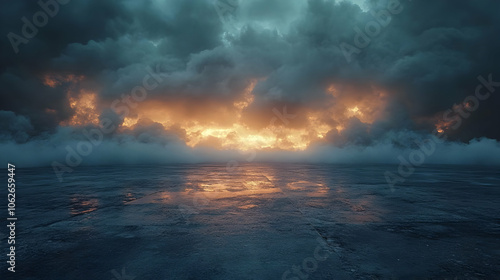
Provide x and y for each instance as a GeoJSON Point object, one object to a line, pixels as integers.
{"type": "Point", "coordinates": [150, 82]}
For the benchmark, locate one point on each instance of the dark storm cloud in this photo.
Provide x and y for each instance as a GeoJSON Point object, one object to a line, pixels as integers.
{"type": "Point", "coordinates": [12, 127]}
{"type": "Point", "coordinates": [102, 40]}
{"type": "Point", "coordinates": [432, 54]}
{"type": "Point", "coordinates": [21, 74]}
{"type": "Point", "coordinates": [427, 58]}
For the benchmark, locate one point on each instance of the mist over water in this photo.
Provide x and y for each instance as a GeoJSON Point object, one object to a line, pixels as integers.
{"type": "Point", "coordinates": [481, 151]}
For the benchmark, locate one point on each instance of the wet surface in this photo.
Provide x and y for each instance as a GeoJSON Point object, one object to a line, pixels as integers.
{"type": "Point", "coordinates": [260, 221]}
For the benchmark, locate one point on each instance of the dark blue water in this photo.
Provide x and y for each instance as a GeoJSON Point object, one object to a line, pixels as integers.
{"type": "Point", "coordinates": [259, 221]}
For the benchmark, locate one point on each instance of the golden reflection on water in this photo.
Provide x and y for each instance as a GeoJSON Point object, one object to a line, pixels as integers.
{"type": "Point", "coordinates": [213, 186]}
{"type": "Point", "coordinates": [247, 188]}
{"type": "Point", "coordinates": [235, 186]}
{"type": "Point", "coordinates": [81, 205]}
{"type": "Point", "coordinates": [311, 188]}
{"type": "Point", "coordinates": [129, 197]}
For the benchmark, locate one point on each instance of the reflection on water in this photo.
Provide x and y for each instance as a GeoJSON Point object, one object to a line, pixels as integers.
{"type": "Point", "coordinates": [312, 192]}
{"type": "Point", "coordinates": [248, 206]}
{"type": "Point", "coordinates": [129, 197]}
{"type": "Point", "coordinates": [81, 204]}
{"type": "Point", "coordinates": [311, 188]}
{"type": "Point", "coordinates": [215, 185]}
{"type": "Point", "coordinates": [213, 188]}
{"type": "Point", "coordinates": [177, 219]}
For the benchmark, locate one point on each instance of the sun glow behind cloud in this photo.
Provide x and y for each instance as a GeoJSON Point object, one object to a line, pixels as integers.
{"type": "Point", "coordinates": [85, 109]}
{"type": "Point", "coordinates": [206, 123]}
{"type": "Point", "coordinates": [226, 76]}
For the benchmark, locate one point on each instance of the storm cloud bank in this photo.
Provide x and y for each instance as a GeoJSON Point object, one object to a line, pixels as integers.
{"type": "Point", "coordinates": [196, 81]}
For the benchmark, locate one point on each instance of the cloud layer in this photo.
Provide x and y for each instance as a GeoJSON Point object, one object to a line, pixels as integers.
{"type": "Point", "coordinates": [194, 81]}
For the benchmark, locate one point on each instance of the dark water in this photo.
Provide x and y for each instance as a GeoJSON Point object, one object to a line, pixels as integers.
{"type": "Point", "coordinates": [260, 221]}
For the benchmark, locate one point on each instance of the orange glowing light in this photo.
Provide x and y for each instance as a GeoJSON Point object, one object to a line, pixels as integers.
{"type": "Point", "coordinates": [84, 106]}
{"type": "Point", "coordinates": [206, 123]}
{"type": "Point", "coordinates": [129, 122]}
{"type": "Point", "coordinates": [51, 80]}
{"type": "Point", "coordinates": [442, 126]}
{"type": "Point", "coordinates": [355, 110]}
{"type": "Point", "coordinates": [332, 91]}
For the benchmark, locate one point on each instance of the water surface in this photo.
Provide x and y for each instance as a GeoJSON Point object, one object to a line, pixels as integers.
{"type": "Point", "coordinates": [257, 222]}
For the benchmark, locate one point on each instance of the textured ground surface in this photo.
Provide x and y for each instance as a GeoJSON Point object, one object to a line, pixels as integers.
{"type": "Point", "coordinates": [256, 222]}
